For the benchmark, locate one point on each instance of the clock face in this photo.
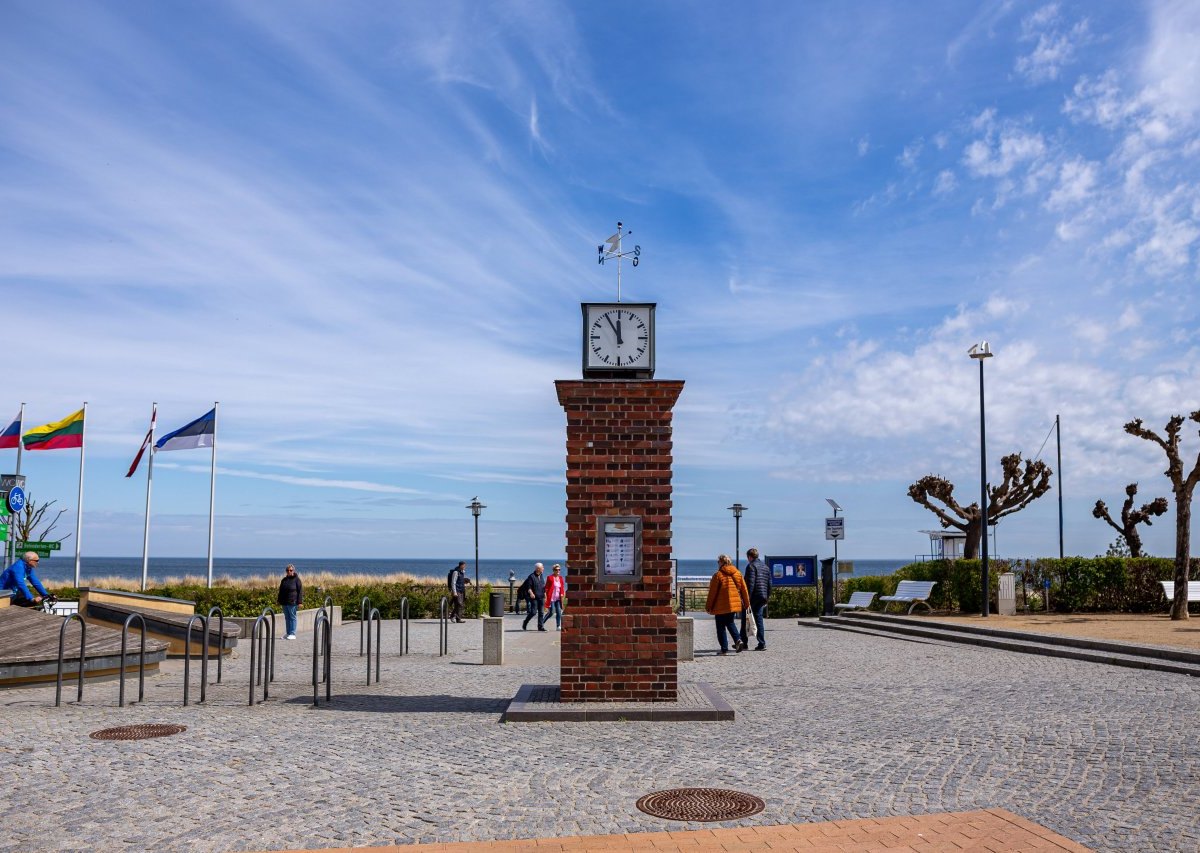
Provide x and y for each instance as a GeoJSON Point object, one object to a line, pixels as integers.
{"type": "Point", "coordinates": [619, 337]}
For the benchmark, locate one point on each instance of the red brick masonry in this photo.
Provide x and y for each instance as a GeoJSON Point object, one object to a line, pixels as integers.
{"type": "Point", "coordinates": [619, 639]}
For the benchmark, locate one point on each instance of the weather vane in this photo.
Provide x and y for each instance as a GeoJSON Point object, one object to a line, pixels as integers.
{"type": "Point", "coordinates": [612, 249]}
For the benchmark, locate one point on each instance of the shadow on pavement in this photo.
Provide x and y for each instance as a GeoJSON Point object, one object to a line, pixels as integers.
{"type": "Point", "coordinates": [409, 704]}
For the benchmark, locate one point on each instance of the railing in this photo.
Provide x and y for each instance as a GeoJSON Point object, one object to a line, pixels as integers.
{"type": "Point", "coordinates": [62, 636]}
{"type": "Point", "coordinates": [364, 610]}
{"type": "Point", "coordinates": [187, 657]}
{"type": "Point", "coordinates": [374, 616]}
{"type": "Point", "coordinates": [260, 644]}
{"type": "Point", "coordinates": [220, 635]}
{"type": "Point", "coordinates": [141, 659]}
{"type": "Point", "coordinates": [443, 627]}
{"type": "Point", "coordinates": [404, 625]}
{"type": "Point", "coordinates": [323, 645]}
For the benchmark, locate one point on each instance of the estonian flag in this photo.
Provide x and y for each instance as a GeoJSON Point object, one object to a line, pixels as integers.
{"type": "Point", "coordinates": [11, 437]}
{"type": "Point", "coordinates": [199, 433]}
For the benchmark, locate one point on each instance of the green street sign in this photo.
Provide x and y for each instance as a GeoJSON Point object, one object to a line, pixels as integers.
{"type": "Point", "coordinates": [39, 546]}
{"type": "Point", "coordinates": [3, 532]}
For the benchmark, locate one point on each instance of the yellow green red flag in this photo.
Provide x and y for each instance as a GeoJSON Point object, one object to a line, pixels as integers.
{"type": "Point", "coordinates": [61, 434]}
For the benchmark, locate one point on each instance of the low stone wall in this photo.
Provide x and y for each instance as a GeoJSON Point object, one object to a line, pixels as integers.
{"type": "Point", "coordinates": [304, 621]}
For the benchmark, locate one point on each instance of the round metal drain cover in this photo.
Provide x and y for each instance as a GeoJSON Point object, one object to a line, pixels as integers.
{"type": "Point", "coordinates": [700, 804]}
{"type": "Point", "coordinates": [139, 732]}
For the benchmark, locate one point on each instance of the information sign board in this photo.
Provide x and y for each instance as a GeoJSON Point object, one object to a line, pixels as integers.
{"type": "Point", "coordinates": [835, 528]}
{"type": "Point", "coordinates": [793, 571]}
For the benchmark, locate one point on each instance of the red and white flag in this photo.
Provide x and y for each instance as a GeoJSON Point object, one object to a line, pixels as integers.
{"type": "Point", "coordinates": [149, 440]}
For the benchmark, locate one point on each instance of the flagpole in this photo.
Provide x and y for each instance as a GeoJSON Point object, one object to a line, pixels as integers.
{"type": "Point", "coordinates": [20, 430]}
{"type": "Point", "coordinates": [79, 511]}
{"type": "Point", "coordinates": [212, 495]}
{"type": "Point", "coordinates": [149, 481]}
{"type": "Point", "coordinates": [10, 549]}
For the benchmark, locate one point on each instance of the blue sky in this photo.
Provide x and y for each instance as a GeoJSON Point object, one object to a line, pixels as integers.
{"type": "Point", "coordinates": [366, 229]}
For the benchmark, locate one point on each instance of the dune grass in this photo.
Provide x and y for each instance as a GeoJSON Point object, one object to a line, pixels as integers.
{"type": "Point", "coordinates": [316, 580]}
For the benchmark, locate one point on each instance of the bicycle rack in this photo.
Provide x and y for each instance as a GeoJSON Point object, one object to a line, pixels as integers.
{"type": "Point", "coordinates": [141, 659]}
{"type": "Point", "coordinates": [404, 625]}
{"type": "Point", "coordinates": [364, 609]}
{"type": "Point", "coordinates": [258, 651]}
{"type": "Point", "coordinates": [271, 669]}
{"type": "Point", "coordinates": [443, 627]}
{"type": "Point", "coordinates": [62, 636]}
{"type": "Point", "coordinates": [323, 644]}
{"type": "Point", "coordinates": [220, 635]}
{"type": "Point", "coordinates": [374, 617]}
{"type": "Point", "coordinates": [328, 605]}
{"type": "Point", "coordinates": [187, 658]}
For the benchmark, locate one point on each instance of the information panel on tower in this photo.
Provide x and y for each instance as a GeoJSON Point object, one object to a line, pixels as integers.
{"type": "Point", "coordinates": [618, 548]}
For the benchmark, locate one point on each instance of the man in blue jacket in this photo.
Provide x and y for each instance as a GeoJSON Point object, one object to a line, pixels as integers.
{"type": "Point", "coordinates": [533, 592]}
{"type": "Point", "coordinates": [758, 581]}
{"type": "Point", "coordinates": [18, 576]}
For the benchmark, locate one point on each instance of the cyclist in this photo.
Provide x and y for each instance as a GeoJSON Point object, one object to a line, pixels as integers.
{"type": "Point", "coordinates": [18, 576]}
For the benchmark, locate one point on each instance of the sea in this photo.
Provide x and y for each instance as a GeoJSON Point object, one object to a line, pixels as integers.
{"type": "Point", "coordinates": [60, 568]}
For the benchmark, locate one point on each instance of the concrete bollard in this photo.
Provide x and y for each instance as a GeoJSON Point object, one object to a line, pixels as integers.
{"type": "Point", "coordinates": [493, 640]}
{"type": "Point", "coordinates": [686, 634]}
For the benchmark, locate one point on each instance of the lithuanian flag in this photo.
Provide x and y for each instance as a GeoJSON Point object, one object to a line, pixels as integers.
{"type": "Point", "coordinates": [61, 434]}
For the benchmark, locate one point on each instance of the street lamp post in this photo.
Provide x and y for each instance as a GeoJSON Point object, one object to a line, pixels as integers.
{"type": "Point", "coordinates": [737, 510]}
{"type": "Point", "coordinates": [980, 352]}
{"type": "Point", "coordinates": [476, 508]}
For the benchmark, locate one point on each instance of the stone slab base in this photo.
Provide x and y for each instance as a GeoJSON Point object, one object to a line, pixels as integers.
{"type": "Point", "coordinates": [538, 703]}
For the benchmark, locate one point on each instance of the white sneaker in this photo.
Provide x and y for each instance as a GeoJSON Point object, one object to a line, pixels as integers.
{"type": "Point", "coordinates": [290, 637]}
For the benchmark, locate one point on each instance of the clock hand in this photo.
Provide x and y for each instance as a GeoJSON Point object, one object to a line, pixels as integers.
{"type": "Point", "coordinates": [616, 328]}
{"type": "Point", "coordinates": [619, 341]}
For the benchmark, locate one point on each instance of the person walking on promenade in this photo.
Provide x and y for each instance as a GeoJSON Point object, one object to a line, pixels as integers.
{"type": "Point", "coordinates": [758, 582]}
{"type": "Point", "coordinates": [19, 576]}
{"type": "Point", "coordinates": [533, 592]}
{"type": "Point", "coordinates": [291, 594]}
{"type": "Point", "coordinates": [556, 593]}
{"type": "Point", "coordinates": [727, 597]}
{"type": "Point", "coordinates": [457, 580]}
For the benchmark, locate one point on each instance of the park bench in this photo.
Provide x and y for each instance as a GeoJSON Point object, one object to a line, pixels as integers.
{"type": "Point", "coordinates": [916, 592]}
{"type": "Point", "coordinates": [858, 600]}
{"type": "Point", "coordinates": [1193, 591]}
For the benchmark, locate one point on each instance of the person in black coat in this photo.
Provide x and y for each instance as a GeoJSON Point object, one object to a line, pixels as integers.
{"type": "Point", "coordinates": [291, 594]}
{"type": "Point", "coordinates": [533, 593]}
{"type": "Point", "coordinates": [758, 581]}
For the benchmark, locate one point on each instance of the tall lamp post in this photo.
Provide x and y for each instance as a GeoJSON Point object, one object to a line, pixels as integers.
{"type": "Point", "coordinates": [476, 508]}
{"type": "Point", "coordinates": [980, 352]}
{"type": "Point", "coordinates": [737, 510]}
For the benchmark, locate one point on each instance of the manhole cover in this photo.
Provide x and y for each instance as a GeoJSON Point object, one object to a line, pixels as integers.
{"type": "Point", "coordinates": [140, 732]}
{"type": "Point", "coordinates": [700, 804]}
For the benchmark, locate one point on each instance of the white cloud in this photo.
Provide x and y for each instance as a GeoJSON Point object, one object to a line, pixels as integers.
{"type": "Point", "coordinates": [998, 154]}
{"type": "Point", "coordinates": [864, 146]}
{"type": "Point", "coordinates": [1076, 179]}
{"type": "Point", "coordinates": [945, 183]}
{"type": "Point", "coordinates": [911, 154]}
{"type": "Point", "coordinates": [1055, 46]}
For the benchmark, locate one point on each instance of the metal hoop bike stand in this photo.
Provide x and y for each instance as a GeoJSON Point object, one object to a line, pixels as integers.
{"type": "Point", "coordinates": [444, 627]}
{"type": "Point", "coordinates": [364, 609]}
{"type": "Point", "coordinates": [374, 617]}
{"type": "Point", "coordinates": [259, 646]}
{"type": "Point", "coordinates": [323, 644]}
{"type": "Point", "coordinates": [404, 625]}
{"type": "Point", "coordinates": [62, 636]}
{"type": "Point", "coordinates": [141, 659]}
{"type": "Point", "coordinates": [220, 635]}
{"type": "Point", "coordinates": [187, 658]}
{"type": "Point", "coordinates": [267, 611]}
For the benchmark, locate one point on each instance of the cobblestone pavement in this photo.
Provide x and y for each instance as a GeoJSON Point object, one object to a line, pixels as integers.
{"type": "Point", "coordinates": [830, 726]}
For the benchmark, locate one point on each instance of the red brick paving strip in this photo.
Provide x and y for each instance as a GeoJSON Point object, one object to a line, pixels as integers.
{"type": "Point", "coordinates": [985, 831]}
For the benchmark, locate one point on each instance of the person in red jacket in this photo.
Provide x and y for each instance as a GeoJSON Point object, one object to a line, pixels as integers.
{"type": "Point", "coordinates": [727, 597]}
{"type": "Point", "coordinates": [556, 593]}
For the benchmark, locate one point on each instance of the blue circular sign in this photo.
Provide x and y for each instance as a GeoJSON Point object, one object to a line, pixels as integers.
{"type": "Point", "coordinates": [16, 499]}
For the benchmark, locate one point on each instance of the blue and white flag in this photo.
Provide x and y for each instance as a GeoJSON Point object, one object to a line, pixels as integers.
{"type": "Point", "coordinates": [199, 433]}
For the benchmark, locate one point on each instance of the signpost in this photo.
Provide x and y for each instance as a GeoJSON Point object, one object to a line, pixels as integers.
{"type": "Point", "coordinates": [835, 528]}
{"type": "Point", "coordinates": [42, 549]}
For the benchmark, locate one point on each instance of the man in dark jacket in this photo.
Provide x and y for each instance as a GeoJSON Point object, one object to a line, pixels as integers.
{"type": "Point", "coordinates": [533, 592]}
{"type": "Point", "coordinates": [457, 580]}
{"type": "Point", "coordinates": [758, 581]}
{"type": "Point", "coordinates": [291, 594]}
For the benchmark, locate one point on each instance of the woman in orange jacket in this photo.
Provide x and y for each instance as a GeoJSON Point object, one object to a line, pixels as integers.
{"type": "Point", "coordinates": [727, 597]}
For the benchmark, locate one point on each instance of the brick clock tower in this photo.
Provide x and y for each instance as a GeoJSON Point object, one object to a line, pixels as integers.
{"type": "Point", "coordinates": [619, 633]}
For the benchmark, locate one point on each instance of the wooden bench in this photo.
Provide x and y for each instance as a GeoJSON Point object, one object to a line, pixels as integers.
{"type": "Point", "coordinates": [858, 600]}
{"type": "Point", "coordinates": [1193, 591]}
{"type": "Point", "coordinates": [916, 592]}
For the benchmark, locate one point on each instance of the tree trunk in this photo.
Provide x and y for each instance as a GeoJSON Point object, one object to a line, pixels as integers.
{"type": "Point", "coordinates": [1183, 552]}
{"type": "Point", "coordinates": [971, 545]}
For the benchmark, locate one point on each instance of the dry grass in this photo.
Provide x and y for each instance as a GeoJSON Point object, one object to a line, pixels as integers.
{"type": "Point", "coordinates": [313, 579]}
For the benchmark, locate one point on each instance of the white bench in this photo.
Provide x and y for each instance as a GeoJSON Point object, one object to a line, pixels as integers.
{"type": "Point", "coordinates": [858, 600]}
{"type": "Point", "coordinates": [1193, 591]}
{"type": "Point", "coordinates": [915, 592]}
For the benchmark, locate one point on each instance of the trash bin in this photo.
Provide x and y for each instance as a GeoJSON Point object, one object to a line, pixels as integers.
{"type": "Point", "coordinates": [496, 604]}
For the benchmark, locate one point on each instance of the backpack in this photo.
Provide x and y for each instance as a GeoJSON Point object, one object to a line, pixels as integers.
{"type": "Point", "coordinates": [450, 579]}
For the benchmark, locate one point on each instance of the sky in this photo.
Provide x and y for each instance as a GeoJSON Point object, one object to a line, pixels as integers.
{"type": "Point", "coordinates": [366, 229]}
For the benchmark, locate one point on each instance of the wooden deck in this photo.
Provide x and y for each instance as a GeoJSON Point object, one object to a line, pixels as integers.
{"type": "Point", "coordinates": [169, 628]}
{"type": "Point", "coordinates": [29, 647]}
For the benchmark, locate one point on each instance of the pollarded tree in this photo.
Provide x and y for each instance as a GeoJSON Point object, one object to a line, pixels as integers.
{"type": "Point", "coordinates": [1183, 486]}
{"type": "Point", "coordinates": [1131, 518]}
{"type": "Point", "coordinates": [1017, 491]}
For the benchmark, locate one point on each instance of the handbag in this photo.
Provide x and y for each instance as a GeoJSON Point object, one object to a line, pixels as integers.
{"type": "Point", "coordinates": [751, 625]}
